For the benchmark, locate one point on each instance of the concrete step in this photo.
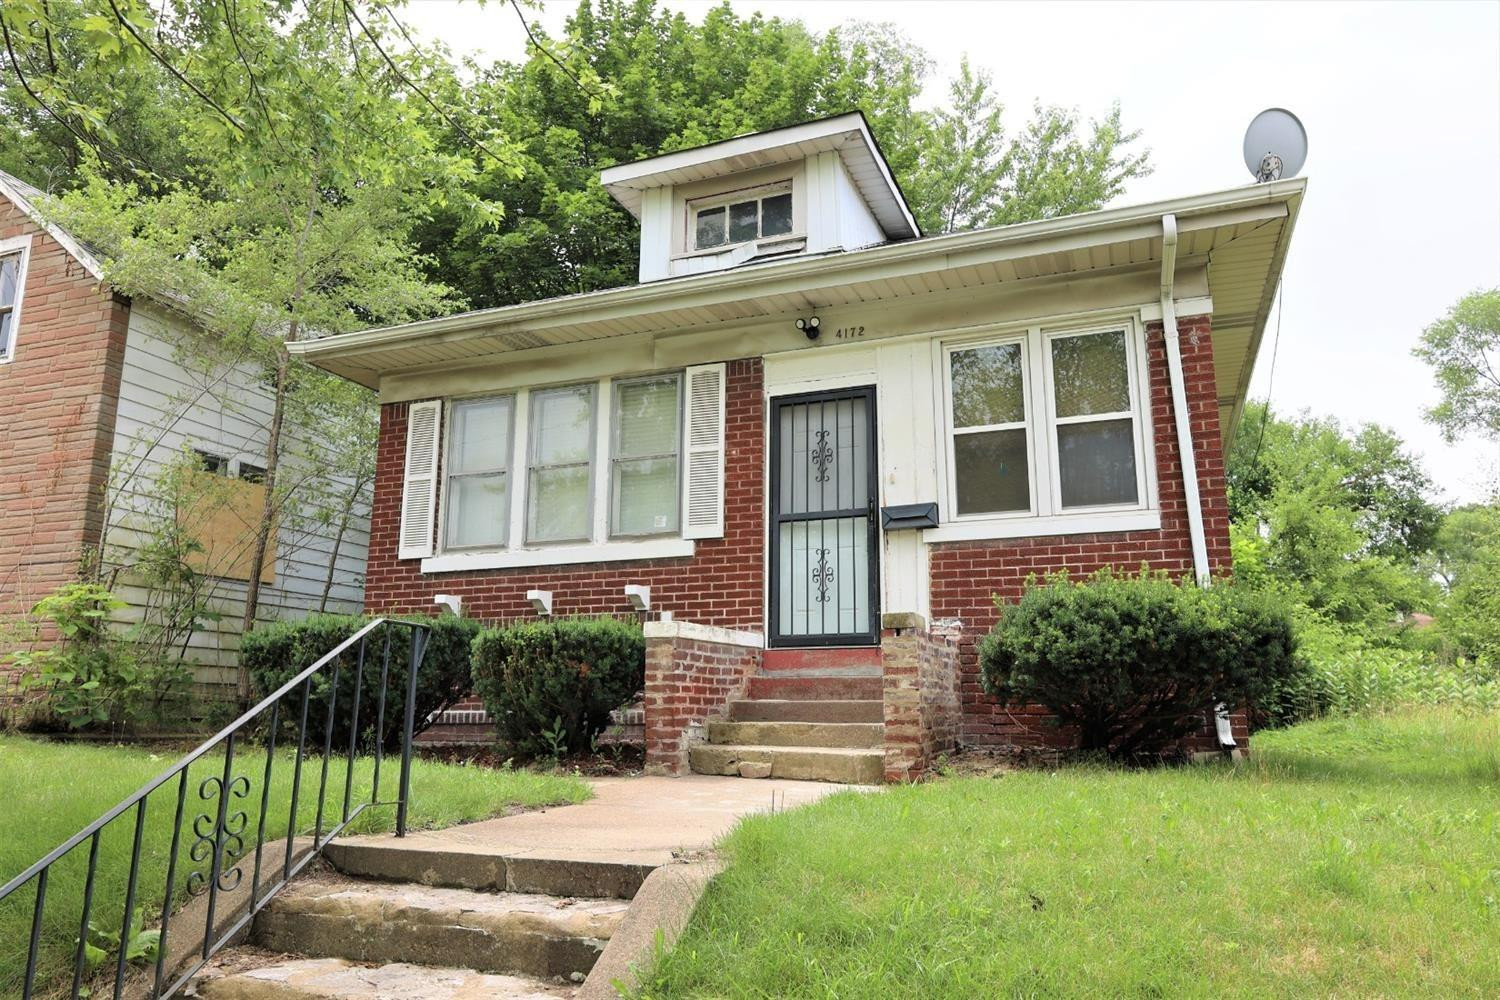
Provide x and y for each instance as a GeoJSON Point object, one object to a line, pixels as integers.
{"type": "Point", "coordinates": [336, 979]}
{"type": "Point", "coordinates": [819, 688]}
{"type": "Point", "coordinates": [535, 935]}
{"type": "Point", "coordinates": [852, 735]}
{"type": "Point", "coordinates": [772, 710]}
{"type": "Point", "coordinates": [486, 869]}
{"type": "Point", "coordinates": [854, 661]}
{"type": "Point", "coordinates": [856, 767]}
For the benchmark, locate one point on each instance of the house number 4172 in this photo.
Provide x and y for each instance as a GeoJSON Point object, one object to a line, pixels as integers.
{"type": "Point", "coordinates": [848, 332]}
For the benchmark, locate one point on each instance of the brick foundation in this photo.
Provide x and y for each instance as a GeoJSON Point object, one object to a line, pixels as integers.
{"type": "Point", "coordinates": [919, 678]}
{"type": "Point", "coordinates": [691, 677]}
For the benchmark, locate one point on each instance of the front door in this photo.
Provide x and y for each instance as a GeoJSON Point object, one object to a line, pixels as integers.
{"type": "Point", "coordinates": [824, 535]}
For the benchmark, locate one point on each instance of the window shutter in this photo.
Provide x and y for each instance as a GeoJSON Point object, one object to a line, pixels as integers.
{"type": "Point", "coordinates": [703, 483]}
{"type": "Point", "coordinates": [419, 489]}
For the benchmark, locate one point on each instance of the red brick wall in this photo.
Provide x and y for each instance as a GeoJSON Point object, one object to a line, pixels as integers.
{"type": "Point", "coordinates": [688, 682]}
{"type": "Point", "coordinates": [58, 397]}
{"type": "Point", "coordinates": [920, 688]}
{"type": "Point", "coordinates": [967, 575]}
{"type": "Point", "coordinates": [721, 584]}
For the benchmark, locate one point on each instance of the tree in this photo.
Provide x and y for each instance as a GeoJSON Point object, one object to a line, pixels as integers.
{"type": "Point", "coordinates": [1340, 520]}
{"type": "Point", "coordinates": [1463, 350]}
{"type": "Point", "coordinates": [313, 149]}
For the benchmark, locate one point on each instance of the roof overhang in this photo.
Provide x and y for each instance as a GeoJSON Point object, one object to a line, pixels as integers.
{"type": "Point", "coordinates": [24, 197]}
{"type": "Point", "coordinates": [1239, 236]}
{"type": "Point", "coordinates": [848, 134]}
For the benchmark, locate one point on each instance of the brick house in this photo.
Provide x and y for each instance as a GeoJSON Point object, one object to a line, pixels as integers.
{"type": "Point", "coordinates": [816, 444]}
{"type": "Point", "coordinates": [96, 399]}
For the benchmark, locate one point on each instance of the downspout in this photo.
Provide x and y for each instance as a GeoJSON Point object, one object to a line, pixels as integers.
{"type": "Point", "coordinates": [1188, 456]}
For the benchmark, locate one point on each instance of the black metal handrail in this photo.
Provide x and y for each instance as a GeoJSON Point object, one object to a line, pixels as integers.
{"type": "Point", "coordinates": [220, 833]}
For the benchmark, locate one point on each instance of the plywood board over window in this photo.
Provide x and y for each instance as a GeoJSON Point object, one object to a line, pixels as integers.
{"type": "Point", "coordinates": [222, 514]}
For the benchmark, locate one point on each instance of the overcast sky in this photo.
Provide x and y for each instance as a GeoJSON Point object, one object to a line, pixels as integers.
{"type": "Point", "coordinates": [1402, 108]}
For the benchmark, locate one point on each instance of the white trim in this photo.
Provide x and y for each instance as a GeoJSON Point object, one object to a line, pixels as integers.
{"type": "Point", "coordinates": [1192, 305]}
{"type": "Point", "coordinates": [694, 632]}
{"type": "Point", "coordinates": [9, 187]}
{"type": "Point", "coordinates": [559, 555]}
{"type": "Point", "coordinates": [975, 529]}
{"type": "Point", "coordinates": [9, 246]}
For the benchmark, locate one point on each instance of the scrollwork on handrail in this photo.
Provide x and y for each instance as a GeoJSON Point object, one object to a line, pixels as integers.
{"type": "Point", "coordinates": [221, 841]}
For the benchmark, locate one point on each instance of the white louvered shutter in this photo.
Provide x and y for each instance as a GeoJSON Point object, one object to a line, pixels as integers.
{"type": "Point", "coordinates": [419, 489]}
{"type": "Point", "coordinates": [703, 481]}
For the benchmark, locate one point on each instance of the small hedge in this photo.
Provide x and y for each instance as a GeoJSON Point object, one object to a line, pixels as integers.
{"type": "Point", "coordinates": [275, 653]}
{"type": "Point", "coordinates": [551, 685]}
{"type": "Point", "coordinates": [1134, 663]}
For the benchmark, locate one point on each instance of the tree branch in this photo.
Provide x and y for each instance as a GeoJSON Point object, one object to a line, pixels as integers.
{"type": "Point", "coordinates": [120, 16]}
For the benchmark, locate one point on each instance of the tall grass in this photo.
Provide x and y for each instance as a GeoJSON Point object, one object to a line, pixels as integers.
{"type": "Point", "coordinates": [53, 790]}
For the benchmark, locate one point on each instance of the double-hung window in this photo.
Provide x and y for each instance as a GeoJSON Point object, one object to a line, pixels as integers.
{"type": "Point", "coordinates": [10, 294]}
{"type": "Point", "coordinates": [647, 432]}
{"type": "Point", "coordinates": [1045, 423]}
{"type": "Point", "coordinates": [560, 478]}
{"type": "Point", "coordinates": [478, 473]}
{"type": "Point", "coordinates": [742, 218]}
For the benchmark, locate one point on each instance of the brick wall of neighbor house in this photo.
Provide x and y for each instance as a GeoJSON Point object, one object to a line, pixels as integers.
{"type": "Point", "coordinates": [722, 584]}
{"type": "Point", "coordinates": [58, 397]}
{"type": "Point", "coordinates": [967, 575]}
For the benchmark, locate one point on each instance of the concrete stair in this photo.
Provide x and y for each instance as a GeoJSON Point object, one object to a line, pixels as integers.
{"type": "Point", "coordinates": [811, 714]}
{"type": "Point", "coordinates": [330, 936]}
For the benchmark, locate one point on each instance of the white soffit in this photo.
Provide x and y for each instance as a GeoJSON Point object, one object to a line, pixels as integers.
{"type": "Point", "coordinates": [848, 134]}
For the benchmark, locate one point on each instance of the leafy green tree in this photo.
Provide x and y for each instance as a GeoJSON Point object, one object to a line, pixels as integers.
{"type": "Point", "coordinates": [1341, 521]}
{"type": "Point", "coordinates": [1463, 350]}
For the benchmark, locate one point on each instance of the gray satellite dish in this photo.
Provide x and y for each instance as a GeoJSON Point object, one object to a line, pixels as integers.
{"type": "Point", "coordinates": [1275, 145]}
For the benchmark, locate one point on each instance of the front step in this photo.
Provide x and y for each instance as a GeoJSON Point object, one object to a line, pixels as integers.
{"type": "Point", "coordinates": [819, 688]}
{"type": "Point", "coordinates": [848, 766]}
{"type": "Point", "coordinates": [533, 935]}
{"type": "Point", "coordinates": [849, 735]}
{"type": "Point", "coordinates": [770, 710]}
{"type": "Point", "coordinates": [336, 979]}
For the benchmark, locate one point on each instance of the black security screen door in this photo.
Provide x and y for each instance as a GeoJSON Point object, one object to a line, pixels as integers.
{"type": "Point", "coordinates": [824, 575]}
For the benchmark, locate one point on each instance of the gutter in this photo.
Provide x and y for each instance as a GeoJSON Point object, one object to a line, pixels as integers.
{"type": "Point", "coordinates": [1187, 453]}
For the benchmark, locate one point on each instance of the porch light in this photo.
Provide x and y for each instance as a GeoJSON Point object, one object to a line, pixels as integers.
{"type": "Point", "coordinates": [541, 600]}
{"type": "Point", "coordinates": [638, 596]}
{"type": "Point", "coordinates": [809, 326]}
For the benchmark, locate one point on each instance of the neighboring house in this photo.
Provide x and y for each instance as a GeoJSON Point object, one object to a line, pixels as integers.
{"type": "Point", "coordinates": [824, 441]}
{"type": "Point", "coordinates": [98, 395]}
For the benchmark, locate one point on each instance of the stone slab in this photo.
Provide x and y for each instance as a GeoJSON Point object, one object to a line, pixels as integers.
{"type": "Point", "coordinates": [849, 735]}
{"type": "Point", "coordinates": [336, 979]}
{"type": "Point", "coordinates": [843, 766]}
{"type": "Point", "coordinates": [662, 907]}
{"type": "Point", "coordinates": [783, 710]}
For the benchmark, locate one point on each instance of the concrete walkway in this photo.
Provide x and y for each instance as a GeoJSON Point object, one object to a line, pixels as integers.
{"type": "Point", "coordinates": [640, 821]}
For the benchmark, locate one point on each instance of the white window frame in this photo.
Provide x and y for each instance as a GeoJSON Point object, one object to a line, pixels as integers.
{"type": "Point", "coordinates": [1047, 515]}
{"type": "Point", "coordinates": [445, 475]}
{"type": "Point", "coordinates": [757, 193]}
{"type": "Point", "coordinates": [596, 406]}
{"type": "Point", "coordinates": [600, 545]}
{"type": "Point", "coordinates": [16, 245]}
{"type": "Point", "coordinates": [615, 459]}
{"type": "Point", "coordinates": [1027, 424]}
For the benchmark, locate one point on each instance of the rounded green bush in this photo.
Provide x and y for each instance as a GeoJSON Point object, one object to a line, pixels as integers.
{"type": "Point", "coordinates": [1135, 663]}
{"type": "Point", "coordinates": [276, 652]}
{"type": "Point", "coordinates": [551, 685]}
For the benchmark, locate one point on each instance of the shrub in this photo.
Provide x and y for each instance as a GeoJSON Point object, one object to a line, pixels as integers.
{"type": "Point", "coordinates": [90, 677]}
{"type": "Point", "coordinates": [1134, 663]}
{"type": "Point", "coordinates": [550, 686]}
{"type": "Point", "coordinates": [276, 652]}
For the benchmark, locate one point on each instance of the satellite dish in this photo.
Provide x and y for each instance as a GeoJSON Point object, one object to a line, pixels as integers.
{"type": "Point", "coordinates": [1275, 145]}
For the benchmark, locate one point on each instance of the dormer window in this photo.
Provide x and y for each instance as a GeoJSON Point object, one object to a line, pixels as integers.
{"type": "Point", "coordinates": [742, 217]}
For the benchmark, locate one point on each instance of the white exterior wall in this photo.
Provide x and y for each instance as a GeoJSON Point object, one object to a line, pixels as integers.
{"type": "Point", "coordinates": [165, 405]}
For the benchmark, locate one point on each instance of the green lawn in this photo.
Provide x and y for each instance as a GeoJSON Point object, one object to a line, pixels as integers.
{"type": "Point", "coordinates": [49, 791]}
{"type": "Point", "coordinates": [1356, 857]}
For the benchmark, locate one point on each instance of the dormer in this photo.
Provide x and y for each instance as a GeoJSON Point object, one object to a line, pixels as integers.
{"type": "Point", "coordinates": [816, 188]}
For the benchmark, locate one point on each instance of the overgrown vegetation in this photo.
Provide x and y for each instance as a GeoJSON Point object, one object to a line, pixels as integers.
{"type": "Point", "coordinates": [1348, 857]}
{"type": "Point", "coordinates": [59, 804]}
{"type": "Point", "coordinates": [551, 685]}
{"type": "Point", "coordinates": [275, 653]}
{"type": "Point", "coordinates": [1135, 663]}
